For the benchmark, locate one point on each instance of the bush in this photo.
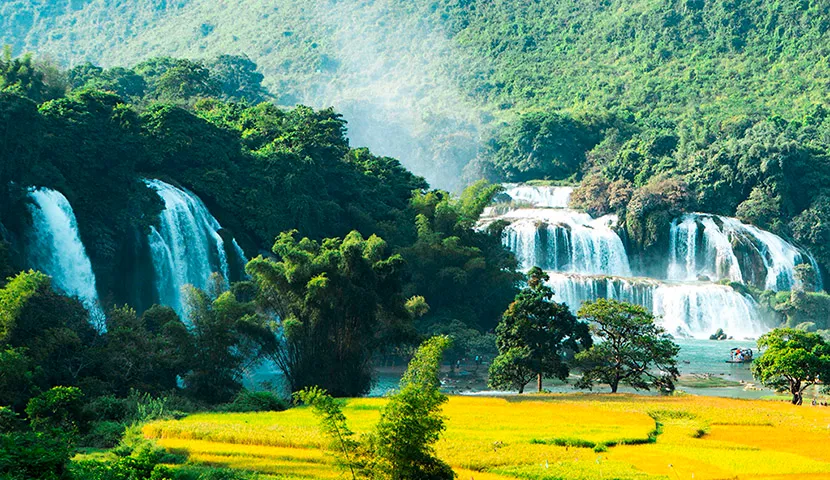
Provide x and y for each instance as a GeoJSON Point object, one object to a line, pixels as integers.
{"type": "Point", "coordinates": [247, 401]}
{"type": "Point", "coordinates": [107, 408]}
{"type": "Point", "coordinates": [59, 408]}
{"type": "Point", "coordinates": [34, 455]}
{"type": "Point", "coordinates": [104, 434]}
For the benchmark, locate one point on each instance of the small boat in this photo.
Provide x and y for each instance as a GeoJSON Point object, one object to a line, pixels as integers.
{"type": "Point", "coordinates": [740, 355]}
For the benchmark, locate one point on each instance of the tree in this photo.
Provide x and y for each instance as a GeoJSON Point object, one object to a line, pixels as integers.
{"type": "Point", "coordinates": [228, 338]}
{"type": "Point", "coordinates": [238, 79]}
{"type": "Point", "coordinates": [411, 422]}
{"type": "Point", "coordinates": [53, 329]}
{"type": "Point", "coordinates": [336, 304]}
{"type": "Point", "coordinates": [146, 353]}
{"type": "Point", "coordinates": [535, 335]}
{"type": "Point", "coordinates": [793, 361]}
{"type": "Point", "coordinates": [402, 444]}
{"type": "Point", "coordinates": [633, 349]}
{"type": "Point", "coordinates": [333, 423]}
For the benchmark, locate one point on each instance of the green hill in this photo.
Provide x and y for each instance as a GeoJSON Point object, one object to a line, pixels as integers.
{"type": "Point", "coordinates": [419, 79]}
{"type": "Point", "coordinates": [727, 96]}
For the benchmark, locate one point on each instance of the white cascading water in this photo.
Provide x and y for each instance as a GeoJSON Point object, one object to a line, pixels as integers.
{"type": "Point", "coordinates": [539, 196]}
{"type": "Point", "coordinates": [685, 309]}
{"type": "Point", "coordinates": [586, 260]}
{"type": "Point", "coordinates": [698, 310]}
{"type": "Point", "coordinates": [703, 245]}
{"type": "Point", "coordinates": [55, 248]}
{"type": "Point", "coordinates": [187, 248]}
{"type": "Point", "coordinates": [565, 241]}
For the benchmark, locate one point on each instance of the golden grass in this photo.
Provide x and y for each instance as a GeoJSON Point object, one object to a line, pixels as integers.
{"type": "Point", "coordinates": [534, 437]}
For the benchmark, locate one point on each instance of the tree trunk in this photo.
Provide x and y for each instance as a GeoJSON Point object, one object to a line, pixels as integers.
{"type": "Point", "coordinates": [795, 389]}
{"type": "Point", "coordinates": [521, 389]}
{"type": "Point", "coordinates": [614, 386]}
{"type": "Point", "coordinates": [539, 382]}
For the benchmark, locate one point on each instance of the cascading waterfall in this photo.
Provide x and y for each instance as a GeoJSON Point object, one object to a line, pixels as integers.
{"type": "Point", "coordinates": [539, 196]}
{"type": "Point", "coordinates": [565, 241]}
{"type": "Point", "coordinates": [698, 310]}
{"type": "Point", "coordinates": [687, 310]}
{"type": "Point", "coordinates": [715, 247]}
{"type": "Point", "coordinates": [586, 260]}
{"type": "Point", "coordinates": [55, 248]}
{"type": "Point", "coordinates": [187, 248]}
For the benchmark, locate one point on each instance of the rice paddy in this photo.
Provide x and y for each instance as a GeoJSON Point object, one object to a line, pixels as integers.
{"type": "Point", "coordinates": [576, 436]}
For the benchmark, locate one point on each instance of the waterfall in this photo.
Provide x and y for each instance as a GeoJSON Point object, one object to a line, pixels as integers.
{"type": "Point", "coordinates": [539, 196]}
{"type": "Point", "coordinates": [698, 310]}
{"type": "Point", "coordinates": [688, 310]}
{"type": "Point", "coordinates": [55, 248]}
{"type": "Point", "coordinates": [718, 248]}
{"type": "Point", "coordinates": [586, 260]}
{"type": "Point", "coordinates": [565, 241]}
{"type": "Point", "coordinates": [187, 248]}
{"type": "Point", "coordinates": [574, 290]}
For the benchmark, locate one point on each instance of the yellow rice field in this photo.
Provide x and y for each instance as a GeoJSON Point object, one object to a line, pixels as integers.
{"type": "Point", "coordinates": [577, 436]}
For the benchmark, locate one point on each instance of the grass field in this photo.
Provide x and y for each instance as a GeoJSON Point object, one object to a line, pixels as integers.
{"type": "Point", "coordinates": [542, 437]}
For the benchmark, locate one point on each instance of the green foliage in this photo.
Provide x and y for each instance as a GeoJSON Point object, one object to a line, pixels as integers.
{"type": "Point", "coordinates": [402, 445]}
{"type": "Point", "coordinates": [464, 274]}
{"type": "Point", "coordinates": [411, 423]}
{"type": "Point", "coordinates": [541, 145]}
{"type": "Point", "coordinates": [351, 454]}
{"type": "Point", "coordinates": [60, 408]}
{"type": "Point", "coordinates": [228, 337]}
{"type": "Point", "coordinates": [262, 401]}
{"type": "Point", "coordinates": [34, 455]}
{"type": "Point", "coordinates": [338, 302]}
{"type": "Point", "coordinates": [632, 349]}
{"type": "Point", "coordinates": [146, 353]}
{"type": "Point", "coordinates": [801, 307]}
{"type": "Point", "coordinates": [793, 360]}
{"type": "Point", "coordinates": [22, 76]}
{"type": "Point", "coordinates": [52, 331]}
{"type": "Point", "coordinates": [535, 335]}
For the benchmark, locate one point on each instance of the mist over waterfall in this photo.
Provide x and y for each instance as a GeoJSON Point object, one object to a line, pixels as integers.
{"type": "Point", "coordinates": [718, 248]}
{"type": "Point", "coordinates": [187, 248]}
{"type": "Point", "coordinates": [55, 248]}
{"type": "Point", "coordinates": [586, 260]}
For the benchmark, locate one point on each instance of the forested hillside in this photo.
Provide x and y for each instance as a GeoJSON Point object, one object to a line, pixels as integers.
{"type": "Point", "coordinates": [421, 80]}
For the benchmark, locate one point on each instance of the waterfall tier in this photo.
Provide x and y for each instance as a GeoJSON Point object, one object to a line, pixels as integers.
{"type": "Point", "coordinates": [565, 241]}
{"type": "Point", "coordinates": [539, 196]}
{"type": "Point", "coordinates": [187, 248]}
{"type": "Point", "coordinates": [715, 247]}
{"type": "Point", "coordinates": [55, 248]}
{"type": "Point", "coordinates": [684, 309]}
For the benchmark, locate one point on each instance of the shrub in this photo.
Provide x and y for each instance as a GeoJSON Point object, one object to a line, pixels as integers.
{"type": "Point", "coordinates": [34, 455]}
{"type": "Point", "coordinates": [248, 401]}
{"type": "Point", "coordinates": [104, 434]}
{"type": "Point", "coordinates": [58, 408]}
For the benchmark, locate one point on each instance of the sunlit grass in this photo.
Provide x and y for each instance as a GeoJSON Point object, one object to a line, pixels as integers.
{"type": "Point", "coordinates": [536, 437]}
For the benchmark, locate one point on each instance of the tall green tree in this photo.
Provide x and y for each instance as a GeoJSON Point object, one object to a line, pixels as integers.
{"type": "Point", "coordinates": [336, 304]}
{"type": "Point", "coordinates": [793, 361]}
{"type": "Point", "coordinates": [411, 423]}
{"type": "Point", "coordinates": [535, 335]}
{"type": "Point", "coordinates": [632, 349]}
{"type": "Point", "coordinates": [229, 337]}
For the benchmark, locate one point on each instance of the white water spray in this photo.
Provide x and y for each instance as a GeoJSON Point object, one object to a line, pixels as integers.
{"type": "Point", "coordinates": [717, 248]}
{"type": "Point", "coordinates": [55, 248]}
{"type": "Point", "coordinates": [187, 248]}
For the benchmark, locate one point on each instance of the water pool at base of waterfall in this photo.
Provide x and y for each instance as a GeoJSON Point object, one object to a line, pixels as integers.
{"type": "Point", "coordinates": [697, 359]}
